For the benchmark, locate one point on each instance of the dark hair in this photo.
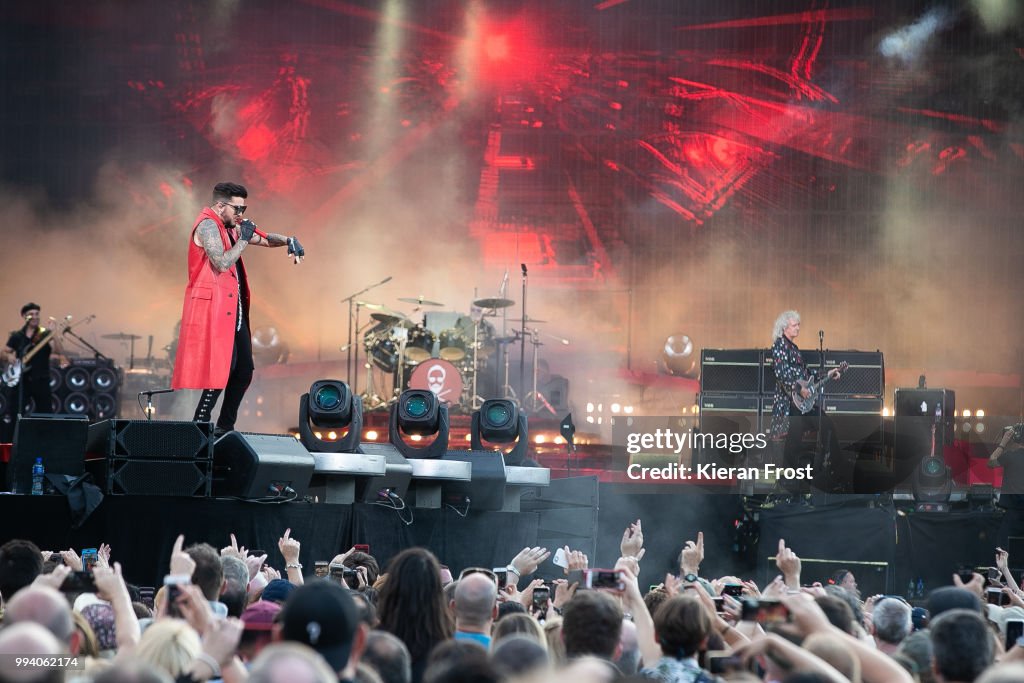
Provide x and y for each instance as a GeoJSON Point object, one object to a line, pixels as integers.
{"type": "Point", "coordinates": [655, 599]}
{"type": "Point", "coordinates": [591, 625]}
{"type": "Point", "coordinates": [509, 607]}
{"type": "Point", "coordinates": [20, 563]}
{"type": "Point", "coordinates": [223, 192]}
{"type": "Point", "coordinates": [29, 307]}
{"type": "Point", "coordinates": [411, 604]}
{"type": "Point", "coordinates": [460, 661]}
{"type": "Point", "coordinates": [361, 559]}
{"type": "Point", "coordinates": [961, 645]}
{"type": "Point", "coordinates": [682, 624]}
{"type": "Point", "coordinates": [209, 572]}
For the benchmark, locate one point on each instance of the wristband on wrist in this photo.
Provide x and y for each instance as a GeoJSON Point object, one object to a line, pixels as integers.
{"type": "Point", "coordinates": [209, 661]}
{"type": "Point", "coordinates": [293, 565]}
{"type": "Point", "coordinates": [512, 568]}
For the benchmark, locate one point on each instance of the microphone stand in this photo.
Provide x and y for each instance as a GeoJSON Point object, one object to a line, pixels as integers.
{"type": "Point", "coordinates": [348, 357]}
{"type": "Point", "coordinates": [96, 352]}
{"type": "Point", "coordinates": [149, 400]}
{"type": "Point", "coordinates": [522, 338]}
{"type": "Point", "coordinates": [820, 441]}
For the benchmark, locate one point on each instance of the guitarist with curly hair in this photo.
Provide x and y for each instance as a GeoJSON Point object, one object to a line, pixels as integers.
{"type": "Point", "coordinates": [796, 409]}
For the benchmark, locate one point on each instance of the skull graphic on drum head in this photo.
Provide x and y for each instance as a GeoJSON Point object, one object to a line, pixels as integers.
{"type": "Point", "coordinates": [435, 378]}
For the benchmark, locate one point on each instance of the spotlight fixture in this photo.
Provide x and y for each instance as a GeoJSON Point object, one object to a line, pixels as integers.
{"type": "Point", "coordinates": [499, 421]}
{"type": "Point", "coordinates": [933, 482]}
{"type": "Point", "coordinates": [330, 407]}
{"type": "Point", "coordinates": [679, 358]}
{"type": "Point", "coordinates": [418, 413]}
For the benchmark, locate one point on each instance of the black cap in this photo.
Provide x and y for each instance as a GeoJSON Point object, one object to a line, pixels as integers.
{"type": "Point", "coordinates": [953, 597]}
{"type": "Point", "coordinates": [322, 615]}
{"type": "Point", "coordinates": [29, 307]}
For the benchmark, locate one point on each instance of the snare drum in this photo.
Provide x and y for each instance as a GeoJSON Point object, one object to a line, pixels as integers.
{"type": "Point", "coordinates": [440, 377]}
{"type": "Point", "coordinates": [420, 345]}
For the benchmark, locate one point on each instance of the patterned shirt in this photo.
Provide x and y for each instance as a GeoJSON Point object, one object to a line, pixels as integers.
{"type": "Point", "coordinates": [672, 670]}
{"type": "Point", "coordinates": [789, 367]}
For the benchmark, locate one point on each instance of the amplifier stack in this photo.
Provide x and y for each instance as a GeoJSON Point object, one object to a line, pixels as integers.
{"type": "Point", "coordinates": [738, 392]}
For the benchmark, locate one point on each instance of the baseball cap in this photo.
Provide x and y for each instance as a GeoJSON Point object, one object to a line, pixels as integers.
{"type": "Point", "coordinates": [322, 615]}
{"type": "Point", "coordinates": [277, 591]}
{"type": "Point", "coordinates": [259, 616]}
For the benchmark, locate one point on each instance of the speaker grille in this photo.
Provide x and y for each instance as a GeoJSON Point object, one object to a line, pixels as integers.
{"type": "Point", "coordinates": [159, 478]}
{"type": "Point", "coordinates": [174, 440]}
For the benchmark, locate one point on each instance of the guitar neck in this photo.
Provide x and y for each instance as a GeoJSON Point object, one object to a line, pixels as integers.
{"type": "Point", "coordinates": [43, 341]}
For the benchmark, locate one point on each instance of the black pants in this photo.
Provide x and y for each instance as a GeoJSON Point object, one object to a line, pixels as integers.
{"type": "Point", "coordinates": [238, 382]}
{"type": "Point", "coordinates": [821, 459]}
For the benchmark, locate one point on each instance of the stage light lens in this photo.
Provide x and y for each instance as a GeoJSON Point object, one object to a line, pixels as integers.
{"type": "Point", "coordinates": [933, 467]}
{"type": "Point", "coordinates": [327, 397]}
{"type": "Point", "coordinates": [417, 406]}
{"type": "Point", "coordinates": [498, 414]}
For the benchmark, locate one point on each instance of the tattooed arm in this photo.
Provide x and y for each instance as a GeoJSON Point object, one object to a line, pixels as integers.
{"type": "Point", "coordinates": [271, 240]}
{"type": "Point", "coordinates": [209, 238]}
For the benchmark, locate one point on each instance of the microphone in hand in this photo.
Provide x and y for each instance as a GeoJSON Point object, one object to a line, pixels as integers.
{"type": "Point", "coordinates": [246, 230]}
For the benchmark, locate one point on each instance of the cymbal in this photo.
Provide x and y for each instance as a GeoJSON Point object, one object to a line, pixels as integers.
{"type": "Point", "coordinates": [529, 320]}
{"type": "Point", "coordinates": [388, 316]}
{"type": "Point", "coordinates": [122, 336]}
{"type": "Point", "coordinates": [493, 303]}
{"type": "Point", "coordinates": [371, 306]}
{"type": "Point", "coordinates": [419, 301]}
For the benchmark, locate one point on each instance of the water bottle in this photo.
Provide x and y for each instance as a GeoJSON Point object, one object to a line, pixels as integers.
{"type": "Point", "coordinates": [920, 588]}
{"type": "Point", "coordinates": [910, 590]}
{"type": "Point", "coordinates": [38, 472]}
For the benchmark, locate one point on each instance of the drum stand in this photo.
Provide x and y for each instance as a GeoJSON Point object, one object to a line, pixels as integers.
{"type": "Point", "coordinates": [476, 399]}
{"type": "Point", "coordinates": [532, 400]}
{"type": "Point", "coordinates": [402, 337]}
{"type": "Point", "coordinates": [371, 399]}
{"type": "Point", "coordinates": [506, 390]}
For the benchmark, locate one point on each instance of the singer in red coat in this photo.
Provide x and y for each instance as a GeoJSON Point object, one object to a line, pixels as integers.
{"type": "Point", "coordinates": [215, 345]}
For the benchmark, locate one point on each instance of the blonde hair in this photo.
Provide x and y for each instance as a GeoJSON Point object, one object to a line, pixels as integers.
{"type": "Point", "coordinates": [782, 322]}
{"type": "Point", "coordinates": [518, 624]}
{"type": "Point", "coordinates": [169, 644]}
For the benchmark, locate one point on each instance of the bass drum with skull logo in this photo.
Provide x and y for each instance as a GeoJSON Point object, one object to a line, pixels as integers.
{"type": "Point", "coordinates": [440, 377]}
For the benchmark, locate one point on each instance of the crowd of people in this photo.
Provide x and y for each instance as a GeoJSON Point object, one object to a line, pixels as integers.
{"type": "Point", "coordinates": [229, 615]}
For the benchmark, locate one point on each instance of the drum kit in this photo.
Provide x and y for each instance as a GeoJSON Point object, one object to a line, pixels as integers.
{"type": "Point", "coordinates": [443, 351]}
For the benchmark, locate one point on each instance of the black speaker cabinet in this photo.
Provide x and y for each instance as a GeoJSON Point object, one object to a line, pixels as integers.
{"type": "Point", "coordinates": [917, 410]}
{"type": "Point", "coordinates": [261, 466]}
{"type": "Point", "coordinates": [486, 488]}
{"type": "Point", "coordinates": [865, 376]}
{"type": "Point", "coordinates": [730, 370]}
{"type": "Point", "coordinates": [58, 439]}
{"type": "Point", "coordinates": [159, 458]}
{"type": "Point", "coordinates": [89, 387]}
{"type": "Point", "coordinates": [158, 477]}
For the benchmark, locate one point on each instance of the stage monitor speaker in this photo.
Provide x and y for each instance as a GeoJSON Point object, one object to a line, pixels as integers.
{"type": "Point", "coordinates": [157, 439]}
{"type": "Point", "coordinates": [58, 439]}
{"type": "Point", "coordinates": [157, 458]}
{"type": "Point", "coordinates": [158, 477]}
{"type": "Point", "coordinates": [395, 482]}
{"type": "Point", "coordinates": [265, 466]}
{"type": "Point", "coordinates": [486, 488]}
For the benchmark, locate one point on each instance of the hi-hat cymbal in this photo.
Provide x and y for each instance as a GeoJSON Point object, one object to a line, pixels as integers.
{"type": "Point", "coordinates": [122, 336]}
{"type": "Point", "coordinates": [419, 301]}
{"type": "Point", "coordinates": [529, 320]}
{"type": "Point", "coordinates": [493, 303]}
{"type": "Point", "coordinates": [371, 306]}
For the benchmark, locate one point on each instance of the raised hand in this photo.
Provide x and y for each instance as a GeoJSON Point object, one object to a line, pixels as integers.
{"type": "Point", "coordinates": [246, 229]}
{"type": "Point", "coordinates": [289, 547]}
{"type": "Point", "coordinates": [233, 550]}
{"type": "Point", "coordinates": [632, 544]}
{"type": "Point", "coordinates": [692, 555]}
{"type": "Point", "coordinates": [181, 563]}
{"type": "Point", "coordinates": [789, 564]}
{"type": "Point", "coordinates": [528, 559]}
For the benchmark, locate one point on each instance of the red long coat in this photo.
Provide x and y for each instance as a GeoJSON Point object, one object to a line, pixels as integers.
{"type": "Point", "coordinates": [208, 317]}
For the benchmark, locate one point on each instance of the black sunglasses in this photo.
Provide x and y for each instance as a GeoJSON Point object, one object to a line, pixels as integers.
{"type": "Point", "coordinates": [239, 208]}
{"type": "Point", "coordinates": [478, 570]}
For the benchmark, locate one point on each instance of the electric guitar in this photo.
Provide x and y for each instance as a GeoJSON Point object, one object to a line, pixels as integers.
{"type": "Point", "coordinates": [12, 373]}
{"type": "Point", "coordinates": [815, 387]}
